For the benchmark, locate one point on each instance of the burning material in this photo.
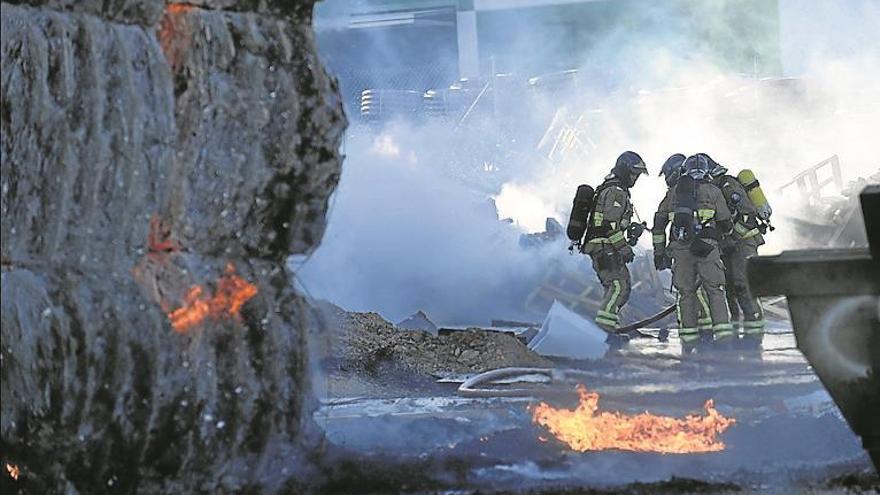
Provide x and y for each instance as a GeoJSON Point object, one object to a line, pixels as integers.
{"type": "Point", "coordinates": [584, 429]}
{"type": "Point", "coordinates": [13, 470]}
{"type": "Point", "coordinates": [174, 33]}
{"type": "Point", "coordinates": [160, 240]}
{"type": "Point", "coordinates": [231, 294]}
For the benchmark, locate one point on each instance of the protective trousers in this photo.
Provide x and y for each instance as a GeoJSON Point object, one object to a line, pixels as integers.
{"type": "Point", "coordinates": [739, 295]}
{"type": "Point", "coordinates": [704, 317]}
{"type": "Point", "coordinates": [704, 321]}
{"type": "Point", "coordinates": [614, 276]}
{"type": "Point", "coordinates": [689, 273]}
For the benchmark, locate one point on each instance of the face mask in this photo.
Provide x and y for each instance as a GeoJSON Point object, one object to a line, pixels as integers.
{"type": "Point", "coordinates": [633, 179]}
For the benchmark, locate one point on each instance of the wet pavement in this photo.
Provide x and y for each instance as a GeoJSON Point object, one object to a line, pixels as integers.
{"type": "Point", "coordinates": [788, 430]}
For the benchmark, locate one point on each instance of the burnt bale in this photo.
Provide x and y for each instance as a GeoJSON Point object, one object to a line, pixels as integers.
{"type": "Point", "coordinates": [158, 165]}
{"type": "Point", "coordinates": [87, 137]}
{"type": "Point", "coordinates": [259, 124]}
{"type": "Point", "coordinates": [140, 12]}
{"type": "Point", "coordinates": [100, 394]}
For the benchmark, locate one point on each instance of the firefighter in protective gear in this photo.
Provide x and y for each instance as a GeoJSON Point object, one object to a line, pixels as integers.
{"type": "Point", "coordinates": [671, 171]}
{"type": "Point", "coordinates": [606, 238]}
{"type": "Point", "coordinates": [741, 244]}
{"type": "Point", "coordinates": [699, 217]}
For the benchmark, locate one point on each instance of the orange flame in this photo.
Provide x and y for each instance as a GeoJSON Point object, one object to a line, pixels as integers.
{"type": "Point", "coordinates": [13, 471]}
{"type": "Point", "coordinates": [178, 8]}
{"type": "Point", "coordinates": [582, 429]}
{"type": "Point", "coordinates": [174, 33]}
{"type": "Point", "coordinates": [231, 294]}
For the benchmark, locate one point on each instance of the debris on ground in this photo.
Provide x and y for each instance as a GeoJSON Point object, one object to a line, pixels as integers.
{"type": "Point", "coordinates": [566, 334]}
{"type": "Point", "coordinates": [834, 218]}
{"type": "Point", "coordinates": [366, 345]}
{"type": "Point", "coordinates": [578, 289]}
{"type": "Point", "coordinates": [553, 231]}
{"type": "Point", "coordinates": [515, 324]}
{"type": "Point", "coordinates": [418, 321]}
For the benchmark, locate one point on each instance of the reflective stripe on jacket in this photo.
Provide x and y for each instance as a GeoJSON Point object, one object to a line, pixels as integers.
{"type": "Point", "coordinates": [611, 216]}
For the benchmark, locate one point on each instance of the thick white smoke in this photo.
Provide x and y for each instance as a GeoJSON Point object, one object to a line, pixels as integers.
{"type": "Point", "coordinates": [404, 235]}
{"type": "Point", "coordinates": [408, 232]}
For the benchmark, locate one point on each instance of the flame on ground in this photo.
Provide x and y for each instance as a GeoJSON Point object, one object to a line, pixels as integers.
{"type": "Point", "coordinates": [13, 471]}
{"type": "Point", "coordinates": [584, 429]}
{"type": "Point", "coordinates": [231, 294]}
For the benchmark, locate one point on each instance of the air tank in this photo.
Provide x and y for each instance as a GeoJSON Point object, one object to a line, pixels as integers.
{"type": "Point", "coordinates": [756, 194]}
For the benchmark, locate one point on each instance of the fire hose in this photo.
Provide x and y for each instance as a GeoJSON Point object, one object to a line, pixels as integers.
{"type": "Point", "coordinates": [468, 387]}
{"type": "Point", "coordinates": [647, 321]}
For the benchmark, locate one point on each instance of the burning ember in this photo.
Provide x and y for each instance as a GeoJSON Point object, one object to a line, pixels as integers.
{"type": "Point", "coordinates": [584, 429]}
{"type": "Point", "coordinates": [231, 294]}
{"type": "Point", "coordinates": [159, 238]}
{"type": "Point", "coordinates": [13, 471]}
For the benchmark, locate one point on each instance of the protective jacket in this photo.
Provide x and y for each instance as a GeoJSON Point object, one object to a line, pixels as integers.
{"type": "Point", "coordinates": [610, 218]}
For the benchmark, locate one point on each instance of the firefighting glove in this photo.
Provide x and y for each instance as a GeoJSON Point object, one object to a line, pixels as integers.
{"type": "Point", "coordinates": [661, 262]}
{"type": "Point", "coordinates": [634, 231]}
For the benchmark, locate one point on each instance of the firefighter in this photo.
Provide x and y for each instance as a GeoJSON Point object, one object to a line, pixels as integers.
{"type": "Point", "coordinates": [731, 295]}
{"type": "Point", "coordinates": [699, 217]}
{"type": "Point", "coordinates": [606, 240]}
{"type": "Point", "coordinates": [741, 244]}
{"type": "Point", "coordinates": [671, 171]}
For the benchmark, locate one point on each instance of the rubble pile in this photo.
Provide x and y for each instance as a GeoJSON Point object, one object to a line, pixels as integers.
{"type": "Point", "coordinates": [823, 210]}
{"type": "Point", "coordinates": [159, 163]}
{"type": "Point", "coordinates": [361, 343]}
{"type": "Point", "coordinates": [418, 321]}
{"type": "Point", "coordinates": [837, 219]}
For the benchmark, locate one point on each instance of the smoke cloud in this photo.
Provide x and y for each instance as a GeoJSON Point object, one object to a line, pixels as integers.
{"type": "Point", "coordinates": [404, 235]}
{"type": "Point", "coordinates": [414, 223]}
